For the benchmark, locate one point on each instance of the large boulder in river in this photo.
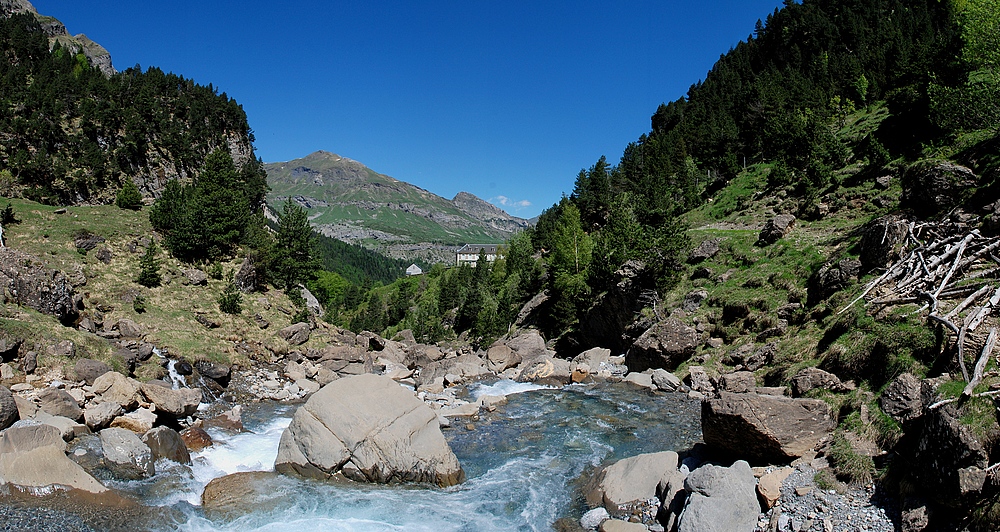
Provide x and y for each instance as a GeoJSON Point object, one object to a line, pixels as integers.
{"type": "Point", "coordinates": [180, 403]}
{"type": "Point", "coordinates": [665, 345]}
{"type": "Point", "coordinates": [165, 442]}
{"type": "Point", "coordinates": [633, 479]}
{"type": "Point", "coordinates": [367, 428]}
{"type": "Point", "coordinates": [765, 428]}
{"type": "Point", "coordinates": [27, 282]}
{"type": "Point", "coordinates": [721, 499]}
{"type": "Point", "coordinates": [126, 455]}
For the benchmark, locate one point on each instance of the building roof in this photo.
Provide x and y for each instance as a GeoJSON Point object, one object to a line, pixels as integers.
{"type": "Point", "coordinates": [476, 248]}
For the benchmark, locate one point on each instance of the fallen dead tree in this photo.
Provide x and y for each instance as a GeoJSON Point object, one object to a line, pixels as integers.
{"type": "Point", "coordinates": [951, 273]}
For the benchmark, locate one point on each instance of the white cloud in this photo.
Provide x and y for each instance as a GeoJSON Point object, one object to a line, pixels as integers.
{"type": "Point", "coordinates": [510, 204]}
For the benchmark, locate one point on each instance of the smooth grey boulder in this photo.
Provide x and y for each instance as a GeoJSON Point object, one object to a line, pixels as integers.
{"type": "Point", "coordinates": [367, 428]}
{"type": "Point", "coordinates": [632, 479]}
{"type": "Point", "coordinates": [721, 499]}
{"type": "Point", "coordinates": [547, 371]}
{"type": "Point", "coordinates": [59, 403]}
{"type": "Point", "coordinates": [101, 415]}
{"type": "Point", "coordinates": [46, 466]}
{"type": "Point", "coordinates": [27, 435]}
{"type": "Point", "coordinates": [126, 455]}
{"type": "Point", "coordinates": [500, 357]}
{"type": "Point", "coordinates": [664, 380]}
{"type": "Point", "coordinates": [165, 442]}
{"type": "Point", "coordinates": [529, 344]}
{"type": "Point", "coordinates": [593, 357]}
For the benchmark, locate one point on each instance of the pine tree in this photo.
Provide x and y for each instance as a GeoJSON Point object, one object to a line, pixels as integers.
{"type": "Point", "coordinates": [231, 300]}
{"type": "Point", "coordinates": [292, 260]}
{"type": "Point", "coordinates": [149, 267]}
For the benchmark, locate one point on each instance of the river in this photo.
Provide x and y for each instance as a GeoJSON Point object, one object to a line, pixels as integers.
{"type": "Point", "coordinates": [523, 463]}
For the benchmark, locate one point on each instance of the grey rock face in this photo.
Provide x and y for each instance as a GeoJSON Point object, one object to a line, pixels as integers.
{"type": "Point", "coordinates": [951, 458]}
{"type": "Point", "coordinates": [721, 499]}
{"type": "Point", "coordinates": [665, 345]}
{"type": "Point", "coordinates": [834, 277]}
{"type": "Point", "coordinates": [125, 454]}
{"type": "Point", "coordinates": [370, 429]}
{"type": "Point", "coordinates": [881, 241]}
{"type": "Point", "coordinates": [765, 427]}
{"type": "Point", "coordinates": [32, 285]}
{"type": "Point", "coordinates": [809, 379]}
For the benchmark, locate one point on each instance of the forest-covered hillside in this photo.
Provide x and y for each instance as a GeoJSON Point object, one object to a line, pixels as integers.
{"type": "Point", "coordinates": [71, 134]}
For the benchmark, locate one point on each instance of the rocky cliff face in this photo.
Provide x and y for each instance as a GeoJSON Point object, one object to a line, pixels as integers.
{"type": "Point", "coordinates": [96, 54]}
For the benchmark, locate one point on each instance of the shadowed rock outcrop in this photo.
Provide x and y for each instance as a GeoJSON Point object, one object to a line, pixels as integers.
{"type": "Point", "coordinates": [765, 428]}
{"type": "Point", "coordinates": [367, 428]}
{"type": "Point", "coordinates": [27, 282]}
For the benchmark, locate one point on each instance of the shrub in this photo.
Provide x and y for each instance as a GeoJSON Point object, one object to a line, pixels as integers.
{"type": "Point", "coordinates": [139, 304]}
{"type": "Point", "coordinates": [128, 196]}
{"type": "Point", "coordinates": [231, 300]}
{"type": "Point", "coordinates": [215, 272]}
{"type": "Point", "coordinates": [7, 216]}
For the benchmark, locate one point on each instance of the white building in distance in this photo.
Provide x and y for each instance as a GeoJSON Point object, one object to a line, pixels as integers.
{"type": "Point", "coordinates": [414, 270]}
{"type": "Point", "coordinates": [469, 253]}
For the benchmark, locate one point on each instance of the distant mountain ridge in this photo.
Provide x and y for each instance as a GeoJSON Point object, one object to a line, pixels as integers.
{"type": "Point", "coordinates": [351, 202]}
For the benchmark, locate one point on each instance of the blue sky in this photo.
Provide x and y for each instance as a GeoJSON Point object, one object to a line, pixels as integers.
{"type": "Point", "coordinates": [506, 100]}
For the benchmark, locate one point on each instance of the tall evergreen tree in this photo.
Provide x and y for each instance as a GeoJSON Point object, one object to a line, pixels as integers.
{"type": "Point", "coordinates": [292, 261]}
{"type": "Point", "coordinates": [149, 267]}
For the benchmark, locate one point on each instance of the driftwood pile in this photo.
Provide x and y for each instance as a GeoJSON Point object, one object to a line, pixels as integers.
{"type": "Point", "coordinates": [952, 273]}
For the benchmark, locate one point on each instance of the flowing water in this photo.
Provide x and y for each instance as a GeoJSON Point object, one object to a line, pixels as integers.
{"type": "Point", "coordinates": [523, 463]}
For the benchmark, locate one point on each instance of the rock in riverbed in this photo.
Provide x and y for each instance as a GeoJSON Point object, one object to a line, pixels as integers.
{"type": "Point", "coordinates": [367, 428]}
